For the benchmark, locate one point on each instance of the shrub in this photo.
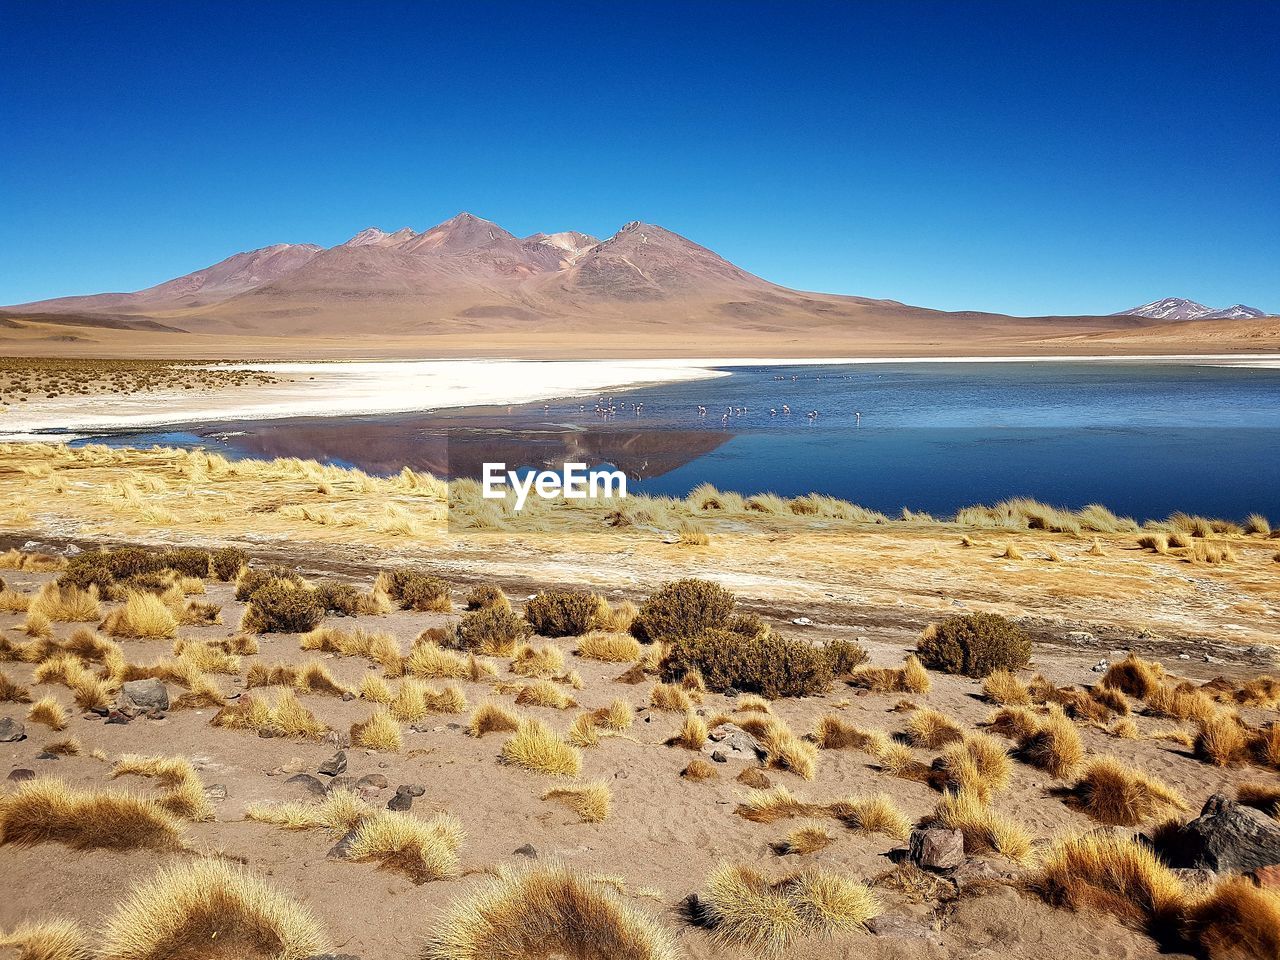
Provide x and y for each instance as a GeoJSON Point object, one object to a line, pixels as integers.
{"type": "Point", "coordinates": [338, 598]}
{"type": "Point", "coordinates": [92, 568]}
{"type": "Point", "coordinates": [770, 665]}
{"type": "Point", "coordinates": [189, 561]}
{"type": "Point", "coordinates": [225, 563]}
{"type": "Point", "coordinates": [253, 579]}
{"type": "Point", "coordinates": [416, 591]}
{"type": "Point", "coordinates": [281, 607]}
{"type": "Point", "coordinates": [683, 608]}
{"type": "Point", "coordinates": [563, 613]}
{"type": "Point", "coordinates": [844, 656]}
{"type": "Point", "coordinates": [491, 630]}
{"type": "Point", "coordinates": [486, 595]}
{"type": "Point", "coordinates": [128, 562]}
{"type": "Point", "coordinates": [974, 645]}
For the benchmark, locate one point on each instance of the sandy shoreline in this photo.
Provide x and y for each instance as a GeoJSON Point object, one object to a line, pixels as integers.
{"type": "Point", "coordinates": [337, 388]}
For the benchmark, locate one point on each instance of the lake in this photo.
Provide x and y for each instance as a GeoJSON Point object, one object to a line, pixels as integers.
{"type": "Point", "coordinates": [1145, 439]}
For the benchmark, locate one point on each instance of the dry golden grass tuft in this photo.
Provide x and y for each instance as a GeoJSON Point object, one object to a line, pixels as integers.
{"type": "Point", "coordinates": [911, 677]}
{"type": "Point", "coordinates": [783, 749]}
{"type": "Point", "coordinates": [1134, 676]}
{"type": "Point", "coordinates": [898, 760]}
{"type": "Point", "coordinates": [537, 660]}
{"type": "Point", "coordinates": [980, 765]}
{"type": "Point", "coordinates": [185, 908]}
{"type": "Point", "coordinates": [425, 850]}
{"type": "Point", "coordinates": [610, 647]}
{"type": "Point", "coordinates": [1055, 747]}
{"type": "Point", "coordinates": [590, 801]}
{"type": "Point", "coordinates": [49, 811]}
{"type": "Point", "coordinates": [984, 829]}
{"type": "Point", "coordinates": [1125, 729]}
{"type": "Point", "coordinates": [69, 747]}
{"type": "Point", "coordinates": [617, 716]}
{"type": "Point", "coordinates": [536, 747]}
{"type": "Point", "coordinates": [379, 732]}
{"type": "Point", "coordinates": [1236, 921]}
{"type": "Point", "coordinates": [1260, 795]}
{"type": "Point", "coordinates": [699, 770]}
{"type": "Point", "coordinates": [669, 697]}
{"type": "Point", "coordinates": [67, 604]}
{"type": "Point", "coordinates": [38, 626]}
{"type": "Point", "coordinates": [1221, 741]}
{"type": "Point", "coordinates": [877, 813]}
{"type": "Point", "coordinates": [692, 735]}
{"type": "Point", "coordinates": [183, 790]}
{"type": "Point", "coordinates": [834, 734]}
{"type": "Point", "coordinates": [338, 812]}
{"type": "Point", "coordinates": [1003, 688]}
{"type": "Point", "coordinates": [11, 692]}
{"type": "Point", "coordinates": [804, 839]}
{"type": "Point", "coordinates": [11, 601]}
{"type": "Point", "coordinates": [383, 649]}
{"type": "Point", "coordinates": [13, 559]}
{"type": "Point", "coordinates": [547, 911]}
{"type": "Point", "coordinates": [775, 803]}
{"type": "Point", "coordinates": [286, 717]}
{"type": "Point", "coordinates": [374, 689]}
{"type": "Point", "coordinates": [584, 731]}
{"type": "Point", "coordinates": [143, 616]}
{"type": "Point", "coordinates": [48, 711]}
{"type": "Point", "coordinates": [58, 939]}
{"type": "Point", "coordinates": [930, 729]}
{"type": "Point", "coordinates": [1114, 793]}
{"type": "Point", "coordinates": [1113, 875]}
{"type": "Point", "coordinates": [745, 910]}
{"type": "Point", "coordinates": [491, 717]}
{"type": "Point", "coordinates": [544, 693]}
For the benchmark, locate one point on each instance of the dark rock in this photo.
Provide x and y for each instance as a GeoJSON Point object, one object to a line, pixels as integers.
{"type": "Point", "coordinates": [1227, 837]}
{"type": "Point", "coordinates": [144, 695]}
{"type": "Point", "coordinates": [340, 849]}
{"type": "Point", "coordinates": [335, 764]}
{"type": "Point", "coordinates": [936, 849]}
{"type": "Point", "coordinates": [11, 731]}
{"type": "Point", "coordinates": [309, 783]}
{"type": "Point", "coordinates": [337, 783]}
{"type": "Point", "coordinates": [46, 755]}
{"type": "Point", "coordinates": [400, 802]}
{"type": "Point", "coordinates": [896, 927]}
{"type": "Point", "coordinates": [375, 780]}
{"type": "Point", "coordinates": [528, 850]}
{"type": "Point", "coordinates": [21, 774]}
{"type": "Point", "coordinates": [719, 756]}
{"type": "Point", "coordinates": [731, 692]}
{"type": "Point", "coordinates": [411, 789]}
{"type": "Point", "coordinates": [117, 716]}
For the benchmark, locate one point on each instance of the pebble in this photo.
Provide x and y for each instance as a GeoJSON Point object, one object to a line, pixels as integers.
{"type": "Point", "coordinates": [335, 764]}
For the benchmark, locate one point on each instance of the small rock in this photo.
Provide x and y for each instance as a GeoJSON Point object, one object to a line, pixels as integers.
{"type": "Point", "coordinates": [144, 695]}
{"type": "Point", "coordinates": [977, 870]}
{"type": "Point", "coordinates": [348, 696]}
{"type": "Point", "coordinates": [217, 792]}
{"type": "Point", "coordinates": [117, 716]}
{"type": "Point", "coordinates": [375, 780]}
{"type": "Point", "coordinates": [411, 789]}
{"type": "Point", "coordinates": [896, 927]}
{"type": "Point", "coordinates": [719, 756]}
{"type": "Point", "coordinates": [528, 850]}
{"type": "Point", "coordinates": [309, 783]}
{"type": "Point", "coordinates": [340, 849]}
{"type": "Point", "coordinates": [11, 731]}
{"type": "Point", "coordinates": [936, 849]}
{"type": "Point", "coordinates": [1080, 636]}
{"type": "Point", "coordinates": [1101, 666]}
{"type": "Point", "coordinates": [801, 621]}
{"type": "Point", "coordinates": [730, 692]}
{"type": "Point", "coordinates": [400, 802]}
{"type": "Point", "coordinates": [21, 774]}
{"type": "Point", "coordinates": [733, 741]}
{"type": "Point", "coordinates": [46, 755]}
{"type": "Point", "coordinates": [335, 764]}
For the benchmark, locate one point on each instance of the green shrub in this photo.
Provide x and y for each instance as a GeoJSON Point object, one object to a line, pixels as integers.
{"type": "Point", "coordinates": [188, 561]}
{"type": "Point", "coordinates": [91, 568]}
{"type": "Point", "coordinates": [283, 607]}
{"type": "Point", "coordinates": [683, 608]}
{"type": "Point", "coordinates": [974, 645]}
{"type": "Point", "coordinates": [563, 613]}
{"type": "Point", "coordinates": [767, 664]}
{"type": "Point", "coordinates": [844, 656]}
{"type": "Point", "coordinates": [255, 578]}
{"type": "Point", "coordinates": [157, 581]}
{"type": "Point", "coordinates": [487, 595]}
{"type": "Point", "coordinates": [225, 563]}
{"type": "Point", "coordinates": [416, 591]}
{"type": "Point", "coordinates": [491, 630]}
{"type": "Point", "coordinates": [126, 562]}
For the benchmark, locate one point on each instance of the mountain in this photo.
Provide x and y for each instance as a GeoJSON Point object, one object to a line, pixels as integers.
{"type": "Point", "coordinates": [1176, 308]}
{"type": "Point", "coordinates": [468, 287]}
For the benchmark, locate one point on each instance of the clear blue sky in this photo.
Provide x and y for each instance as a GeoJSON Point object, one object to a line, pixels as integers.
{"type": "Point", "coordinates": [1020, 157]}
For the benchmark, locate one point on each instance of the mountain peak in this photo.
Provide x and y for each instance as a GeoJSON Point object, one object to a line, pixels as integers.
{"type": "Point", "coordinates": [377, 237]}
{"type": "Point", "coordinates": [1179, 308]}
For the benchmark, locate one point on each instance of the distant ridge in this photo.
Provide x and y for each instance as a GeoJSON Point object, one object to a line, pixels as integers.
{"type": "Point", "coordinates": [1176, 308]}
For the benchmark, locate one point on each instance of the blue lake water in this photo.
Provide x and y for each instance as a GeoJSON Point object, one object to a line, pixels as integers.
{"type": "Point", "coordinates": [1144, 439]}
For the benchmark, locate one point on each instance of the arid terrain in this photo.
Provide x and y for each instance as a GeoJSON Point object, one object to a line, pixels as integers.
{"type": "Point", "coordinates": [469, 288]}
{"type": "Point", "coordinates": [676, 833]}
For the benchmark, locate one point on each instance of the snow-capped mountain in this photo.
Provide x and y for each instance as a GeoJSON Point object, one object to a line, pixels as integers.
{"type": "Point", "coordinates": [1177, 308]}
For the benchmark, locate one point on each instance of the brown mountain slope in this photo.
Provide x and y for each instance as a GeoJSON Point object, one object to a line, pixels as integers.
{"type": "Point", "coordinates": [467, 286]}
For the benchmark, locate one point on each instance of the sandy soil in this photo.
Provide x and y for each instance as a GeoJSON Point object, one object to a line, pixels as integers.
{"type": "Point", "coordinates": [664, 833]}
